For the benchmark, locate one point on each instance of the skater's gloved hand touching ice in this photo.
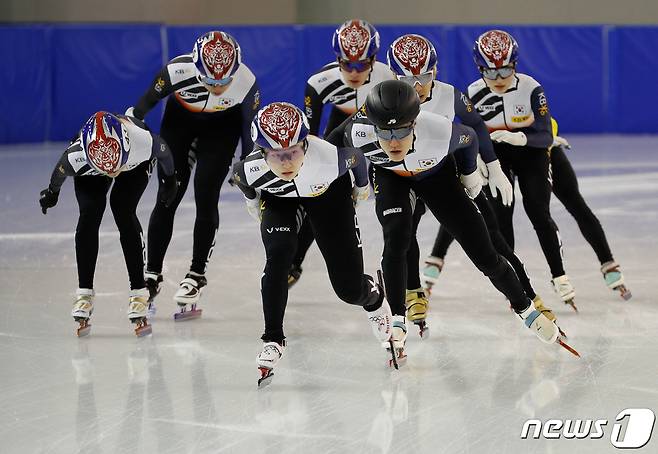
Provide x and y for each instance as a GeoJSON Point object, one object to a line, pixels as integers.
{"type": "Point", "coordinates": [359, 194]}
{"type": "Point", "coordinates": [499, 182]}
{"type": "Point", "coordinates": [48, 199]}
{"type": "Point", "coordinates": [472, 183]}
{"type": "Point", "coordinates": [169, 188]}
{"type": "Point", "coordinates": [513, 138]}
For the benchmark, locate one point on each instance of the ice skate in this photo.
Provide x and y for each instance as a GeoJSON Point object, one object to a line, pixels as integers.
{"type": "Point", "coordinates": [381, 321]}
{"type": "Point", "coordinates": [546, 330]}
{"type": "Point", "coordinates": [395, 345]}
{"type": "Point", "coordinates": [417, 307]}
{"type": "Point", "coordinates": [294, 274]}
{"type": "Point", "coordinates": [539, 305]}
{"type": "Point", "coordinates": [137, 311]}
{"type": "Point", "coordinates": [431, 272]}
{"type": "Point", "coordinates": [267, 361]}
{"type": "Point", "coordinates": [153, 281]}
{"type": "Point", "coordinates": [615, 280]}
{"type": "Point", "coordinates": [82, 310]}
{"type": "Point", "coordinates": [189, 292]}
{"type": "Point", "coordinates": [565, 290]}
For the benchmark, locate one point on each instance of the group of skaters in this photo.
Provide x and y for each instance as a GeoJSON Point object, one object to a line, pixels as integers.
{"type": "Point", "coordinates": [420, 144]}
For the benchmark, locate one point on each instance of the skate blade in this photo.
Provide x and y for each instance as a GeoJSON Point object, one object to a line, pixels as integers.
{"type": "Point", "coordinates": [424, 330]}
{"type": "Point", "coordinates": [562, 333]}
{"type": "Point", "coordinates": [142, 329]}
{"type": "Point", "coordinates": [572, 304]}
{"type": "Point", "coordinates": [84, 330]}
{"type": "Point", "coordinates": [266, 377]}
{"type": "Point", "coordinates": [624, 292]}
{"type": "Point", "coordinates": [567, 347]}
{"type": "Point", "coordinates": [397, 360]}
{"type": "Point", "coordinates": [184, 315]}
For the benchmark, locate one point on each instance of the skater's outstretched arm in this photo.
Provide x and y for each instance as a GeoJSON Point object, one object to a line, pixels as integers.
{"type": "Point", "coordinates": [468, 115]}
{"type": "Point", "coordinates": [313, 108]}
{"type": "Point", "coordinates": [464, 145]}
{"type": "Point", "coordinates": [248, 110]}
{"type": "Point", "coordinates": [49, 196]}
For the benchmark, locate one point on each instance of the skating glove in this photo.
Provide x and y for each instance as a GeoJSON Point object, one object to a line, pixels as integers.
{"type": "Point", "coordinates": [498, 181]}
{"type": "Point", "coordinates": [253, 207]}
{"type": "Point", "coordinates": [359, 194]}
{"type": "Point", "coordinates": [561, 141]}
{"type": "Point", "coordinates": [48, 199]}
{"type": "Point", "coordinates": [169, 188]}
{"type": "Point", "coordinates": [513, 138]}
{"type": "Point", "coordinates": [472, 183]}
{"type": "Point", "coordinates": [130, 112]}
{"type": "Point", "coordinates": [482, 168]}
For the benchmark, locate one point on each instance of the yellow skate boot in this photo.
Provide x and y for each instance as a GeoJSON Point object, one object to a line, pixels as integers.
{"type": "Point", "coordinates": [417, 306]}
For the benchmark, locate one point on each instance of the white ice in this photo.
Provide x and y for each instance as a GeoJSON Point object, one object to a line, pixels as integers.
{"type": "Point", "coordinates": [191, 387]}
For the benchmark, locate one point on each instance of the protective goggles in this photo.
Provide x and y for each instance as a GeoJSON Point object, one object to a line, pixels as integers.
{"type": "Point", "coordinates": [493, 74]}
{"type": "Point", "coordinates": [422, 79]}
{"type": "Point", "coordinates": [215, 82]}
{"type": "Point", "coordinates": [397, 133]}
{"type": "Point", "coordinates": [358, 65]}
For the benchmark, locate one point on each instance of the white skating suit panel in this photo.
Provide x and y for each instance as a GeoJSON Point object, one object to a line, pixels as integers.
{"type": "Point", "coordinates": [194, 96]}
{"type": "Point", "coordinates": [319, 170]}
{"type": "Point", "coordinates": [330, 87]}
{"type": "Point", "coordinates": [141, 146]}
{"type": "Point", "coordinates": [431, 144]}
{"type": "Point", "coordinates": [511, 110]}
{"type": "Point", "coordinates": [441, 100]}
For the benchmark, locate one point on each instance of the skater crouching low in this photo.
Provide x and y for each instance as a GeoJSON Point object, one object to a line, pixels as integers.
{"type": "Point", "coordinates": [118, 152]}
{"type": "Point", "coordinates": [290, 176]}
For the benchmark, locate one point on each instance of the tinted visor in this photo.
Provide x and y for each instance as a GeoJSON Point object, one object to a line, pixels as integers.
{"type": "Point", "coordinates": [493, 74]}
{"type": "Point", "coordinates": [397, 133]}
{"type": "Point", "coordinates": [422, 79]}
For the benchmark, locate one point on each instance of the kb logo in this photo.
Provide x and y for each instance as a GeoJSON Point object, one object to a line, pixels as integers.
{"type": "Point", "coordinates": [631, 431]}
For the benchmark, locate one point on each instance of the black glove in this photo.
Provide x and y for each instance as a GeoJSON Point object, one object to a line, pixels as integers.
{"type": "Point", "coordinates": [48, 199]}
{"type": "Point", "coordinates": [168, 189]}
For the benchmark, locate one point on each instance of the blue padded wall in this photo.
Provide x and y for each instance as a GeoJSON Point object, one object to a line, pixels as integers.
{"type": "Point", "coordinates": [597, 78]}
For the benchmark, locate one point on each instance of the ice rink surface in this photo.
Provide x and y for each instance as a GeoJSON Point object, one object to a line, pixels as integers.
{"type": "Point", "coordinates": [191, 386]}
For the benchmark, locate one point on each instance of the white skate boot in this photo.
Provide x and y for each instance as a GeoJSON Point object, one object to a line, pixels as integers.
{"type": "Point", "coordinates": [267, 361]}
{"type": "Point", "coordinates": [380, 321]}
{"type": "Point", "coordinates": [546, 330]}
{"type": "Point", "coordinates": [82, 310]}
{"type": "Point", "coordinates": [189, 292]}
{"type": "Point", "coordinates": [614, 279]}
{"type": "Point", "coordinates": [395, 345]}
{"type": "Point", "coordinates": [138, 310]}
{"type": "Point", "coordinates": [565, 290]}
{"type": "Point", "coordinates": [539, 305]}
{"type": "Point", "coordinates": [431, 272]}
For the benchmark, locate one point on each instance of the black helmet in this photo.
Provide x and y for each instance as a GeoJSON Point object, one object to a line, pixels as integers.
{"type": "Point", "coordinates": [392, 104]}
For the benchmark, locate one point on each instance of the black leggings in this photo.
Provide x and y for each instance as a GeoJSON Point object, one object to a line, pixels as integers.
{"type": "Point", "coordinates": [531, 166]}
{"type": "Point", "coordinates": [565, 188]}
{"type": "Point", "coordinates": [217, 135]}
{"type": "Point", "coordinates": [335, 227]}
{"type": "Point", "coordinates": [444, 239]}
{"type": "Point", "coordinates": [91, 193]}
{"type": "Point", "coordinates": [444, 195]}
